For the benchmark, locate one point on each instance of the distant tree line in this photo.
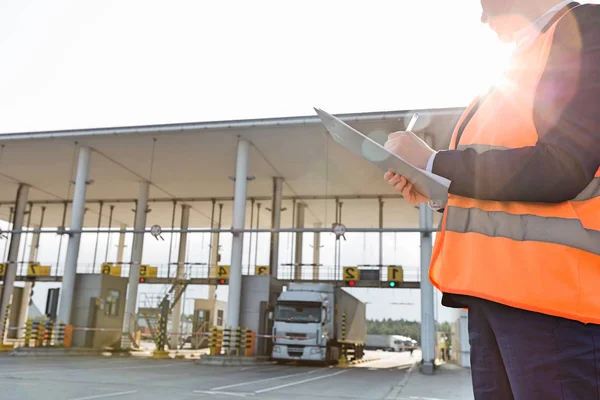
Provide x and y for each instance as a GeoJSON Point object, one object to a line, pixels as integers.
{"type": "Point", "coordinates": [401, 327]}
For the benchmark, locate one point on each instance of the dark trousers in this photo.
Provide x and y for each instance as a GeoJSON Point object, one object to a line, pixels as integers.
{"type": "Point", "coordinates": [523, 355]}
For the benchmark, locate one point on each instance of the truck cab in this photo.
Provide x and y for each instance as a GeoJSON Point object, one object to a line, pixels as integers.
{"type": "Point", "coordinates": [302, 325]}
{"type": "Point", "coordinates": [317, 322]}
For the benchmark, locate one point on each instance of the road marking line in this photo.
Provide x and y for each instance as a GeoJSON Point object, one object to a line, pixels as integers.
{"type": "Point", "coordinates": [263, 380]}
{"type": "Point", "coordinates": [299, 382]}
{"type": "Point", "coordinates": [105, 395]}
{"type": "Point", "coordinates": [234, 394]}
{"type": "Point", "coordinates": [397, 389]}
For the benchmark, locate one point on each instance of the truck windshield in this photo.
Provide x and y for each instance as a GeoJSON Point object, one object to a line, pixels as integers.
{"type": "Point", "coordinates": [298, 312]}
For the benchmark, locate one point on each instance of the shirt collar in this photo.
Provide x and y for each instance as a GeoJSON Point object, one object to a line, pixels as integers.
{"type": "Point", "coordinates": [526, 36]}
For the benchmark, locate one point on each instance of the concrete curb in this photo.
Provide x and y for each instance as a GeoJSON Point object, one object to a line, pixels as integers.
{"type": "Point", "coordinates": [364, 360]}
{"type": "Point", "coordinates": [233, 361]}
{"type": "Point", "coordinates": [355, 362]}
{"type": "Point", "coordinates": [65, 352]}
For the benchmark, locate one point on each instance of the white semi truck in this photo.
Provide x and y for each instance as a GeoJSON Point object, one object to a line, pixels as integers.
{"type": "Point", "coordinates": [317, 322]}
{"type": "Point", "coordinates": [390, 343]}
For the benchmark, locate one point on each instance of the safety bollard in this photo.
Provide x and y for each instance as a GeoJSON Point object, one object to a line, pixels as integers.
{"type": "Point", "coordinates": [238, 341]}
{"type": "Point", "coordinates": [41, 331]}
{"type": "Point", "coordinates": [68, 338]}
{"type": "Point", "coordinates": [160, 352]}
{"type": "Point", "coordinates": [343, 359]}
{"type": "Point", "coordinates": [4, 324]}
{"type": "Point", "coordinates": [219, 341]}
{"type": "Point", "coordinates": [212, 341]}
{"type": "Point", "coordinates": [28, 329]}
{"type": "Point", "coordinates": [35, 326]}
{"type": "Point", "coordinates": [227, 341]}
{"type": "Point", "coordinates": [49, 332]}
{"type": "Point", "coordinates": [60, 335]}
{"type": "Point", "coordinates": [160, 343]}
{"type": "Point", "coordinates": [251, 344]}
{"type": "Point", "coordinates": [244, 342]}
{"type": "Point", "coordinates": [5, 347]}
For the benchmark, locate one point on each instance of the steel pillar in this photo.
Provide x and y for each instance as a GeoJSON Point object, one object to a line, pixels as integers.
{"type": "Point", "coordinates": [237, 246]}
{"type": "Point", "coordinates": [176, 313]}
{"type": "Point", "coordinates": [316, 251]}
{"type": "Point", "coordinates": [300, 207]}
{"type": "Point", "coordinates": [427, 306]}
{"type": "Point", "coordinates": [215, 239]}
{"type": "Point", "coordinates": [13, 254]}
{"type": "Point", "coordinates": [141, 210]}
{"type": "Point", "coordinates": [26, 296]}
{"type": "Point", "coordinates": [121, 245]}
{"type": "Point", "coordinates": [275, 224]}
{"type": "Point", "coordinates": [77, 214]}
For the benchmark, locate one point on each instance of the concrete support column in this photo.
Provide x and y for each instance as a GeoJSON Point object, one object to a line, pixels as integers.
{"type": "Point", "coordinates": [176, 314]}
{"type": "Point", "coordinates": [237, 246]}
{"type": "Point", "coordinates": [13, 254]}
{"type": "Point", "coordinates": [26, 296]}
{"type": "Point", "coordinates": [121, 245]}
{"type": "Point", "coordinates": [275, 224]}
{"type": "Point", "coordinates": [316, 251]}
{"type": "Point", "coordinates": [136, 259]}
{"type": "Point", "coordinates": [427, 306]}
{"type": "Point", "coordinates": [214, 259]}
{"type": "Point", "coordinates": [300, 207]}
{"type": "Point", "coordinates": [77, 213]}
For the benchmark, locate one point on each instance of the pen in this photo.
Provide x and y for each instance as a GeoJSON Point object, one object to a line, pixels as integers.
{"type": "Point", "coordinates": [412, 122]}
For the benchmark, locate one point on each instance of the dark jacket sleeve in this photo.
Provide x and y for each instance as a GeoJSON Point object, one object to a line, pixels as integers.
{"type": "Point", "coordinates": [567, 118]}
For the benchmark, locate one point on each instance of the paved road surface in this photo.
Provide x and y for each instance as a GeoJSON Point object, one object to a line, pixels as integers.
{"type": "Point", "coordinates": [77, 378]}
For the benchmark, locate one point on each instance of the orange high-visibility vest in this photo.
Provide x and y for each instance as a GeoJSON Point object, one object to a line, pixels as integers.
{"type": "Point", "coordinates": [535, 256]}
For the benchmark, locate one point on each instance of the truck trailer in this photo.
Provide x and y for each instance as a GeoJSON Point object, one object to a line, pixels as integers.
{"type": "Point", "coordinates": [390, 343]}
{"type": "Point", "coordinates": [318, 322]}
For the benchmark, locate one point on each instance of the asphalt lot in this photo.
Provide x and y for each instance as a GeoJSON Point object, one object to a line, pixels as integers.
{"type": "Point", "coordinates": [82, 378]}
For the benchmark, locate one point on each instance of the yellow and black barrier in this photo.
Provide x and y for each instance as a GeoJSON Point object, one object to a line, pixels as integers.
{"type": "Point", "coordinates": [231, 342]}
{"type": "Point", "coordinates": [28, 329]}
{"type": "Point", "coordinates": [343, 357]}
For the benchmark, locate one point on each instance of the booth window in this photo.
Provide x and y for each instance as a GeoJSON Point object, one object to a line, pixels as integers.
{"type": "Point", "coordinates": [219, 317]}
{"type": "Point", "coordinates": [112, 303]}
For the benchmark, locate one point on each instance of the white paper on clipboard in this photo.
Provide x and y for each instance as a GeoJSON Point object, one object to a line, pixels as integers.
{"type": "Point", "coordinates": [431, 185]}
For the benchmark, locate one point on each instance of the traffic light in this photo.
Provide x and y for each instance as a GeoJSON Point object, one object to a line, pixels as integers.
{"type": "Point", "coordinates": [222, 281]}
{"type": "Point", "coordinates": [142, 280]}
{"type": "Point", "coordinates": [351, 283]}
{"type": "Point", "coordinates": [393, 284]}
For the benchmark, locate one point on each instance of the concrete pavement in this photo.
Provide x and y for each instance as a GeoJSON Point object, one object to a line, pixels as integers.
{"type": "Point", "coordinates": [85, 378]}
{"type": "Point", "coordinates": [450, 382]}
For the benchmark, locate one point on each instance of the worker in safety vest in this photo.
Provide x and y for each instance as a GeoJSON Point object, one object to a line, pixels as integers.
{"type": "Point", "coordinates": [520, 236]}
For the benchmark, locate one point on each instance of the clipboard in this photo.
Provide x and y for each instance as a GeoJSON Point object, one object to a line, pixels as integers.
{"type": "Point", "coordinates": [433, 186]}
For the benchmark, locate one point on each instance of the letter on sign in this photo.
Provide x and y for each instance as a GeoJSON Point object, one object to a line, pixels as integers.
{"type": "Point", "coordinates": [351, 274]}
{"type": "Point", "coordinates": [223, 271]}
{"type": "Point", "coordinates": [2, 269]}
{"type": "Point", "coordinates": [261, 270]}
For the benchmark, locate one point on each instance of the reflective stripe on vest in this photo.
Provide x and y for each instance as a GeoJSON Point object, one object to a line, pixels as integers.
{"type": "Point", "coordinates": [535, 256]}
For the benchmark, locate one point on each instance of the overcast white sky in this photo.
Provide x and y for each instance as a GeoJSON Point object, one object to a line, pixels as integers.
{"type": "Point", "coordinates": [79, 64]}
{"type": "Point", "coordinates": [76, 64]}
